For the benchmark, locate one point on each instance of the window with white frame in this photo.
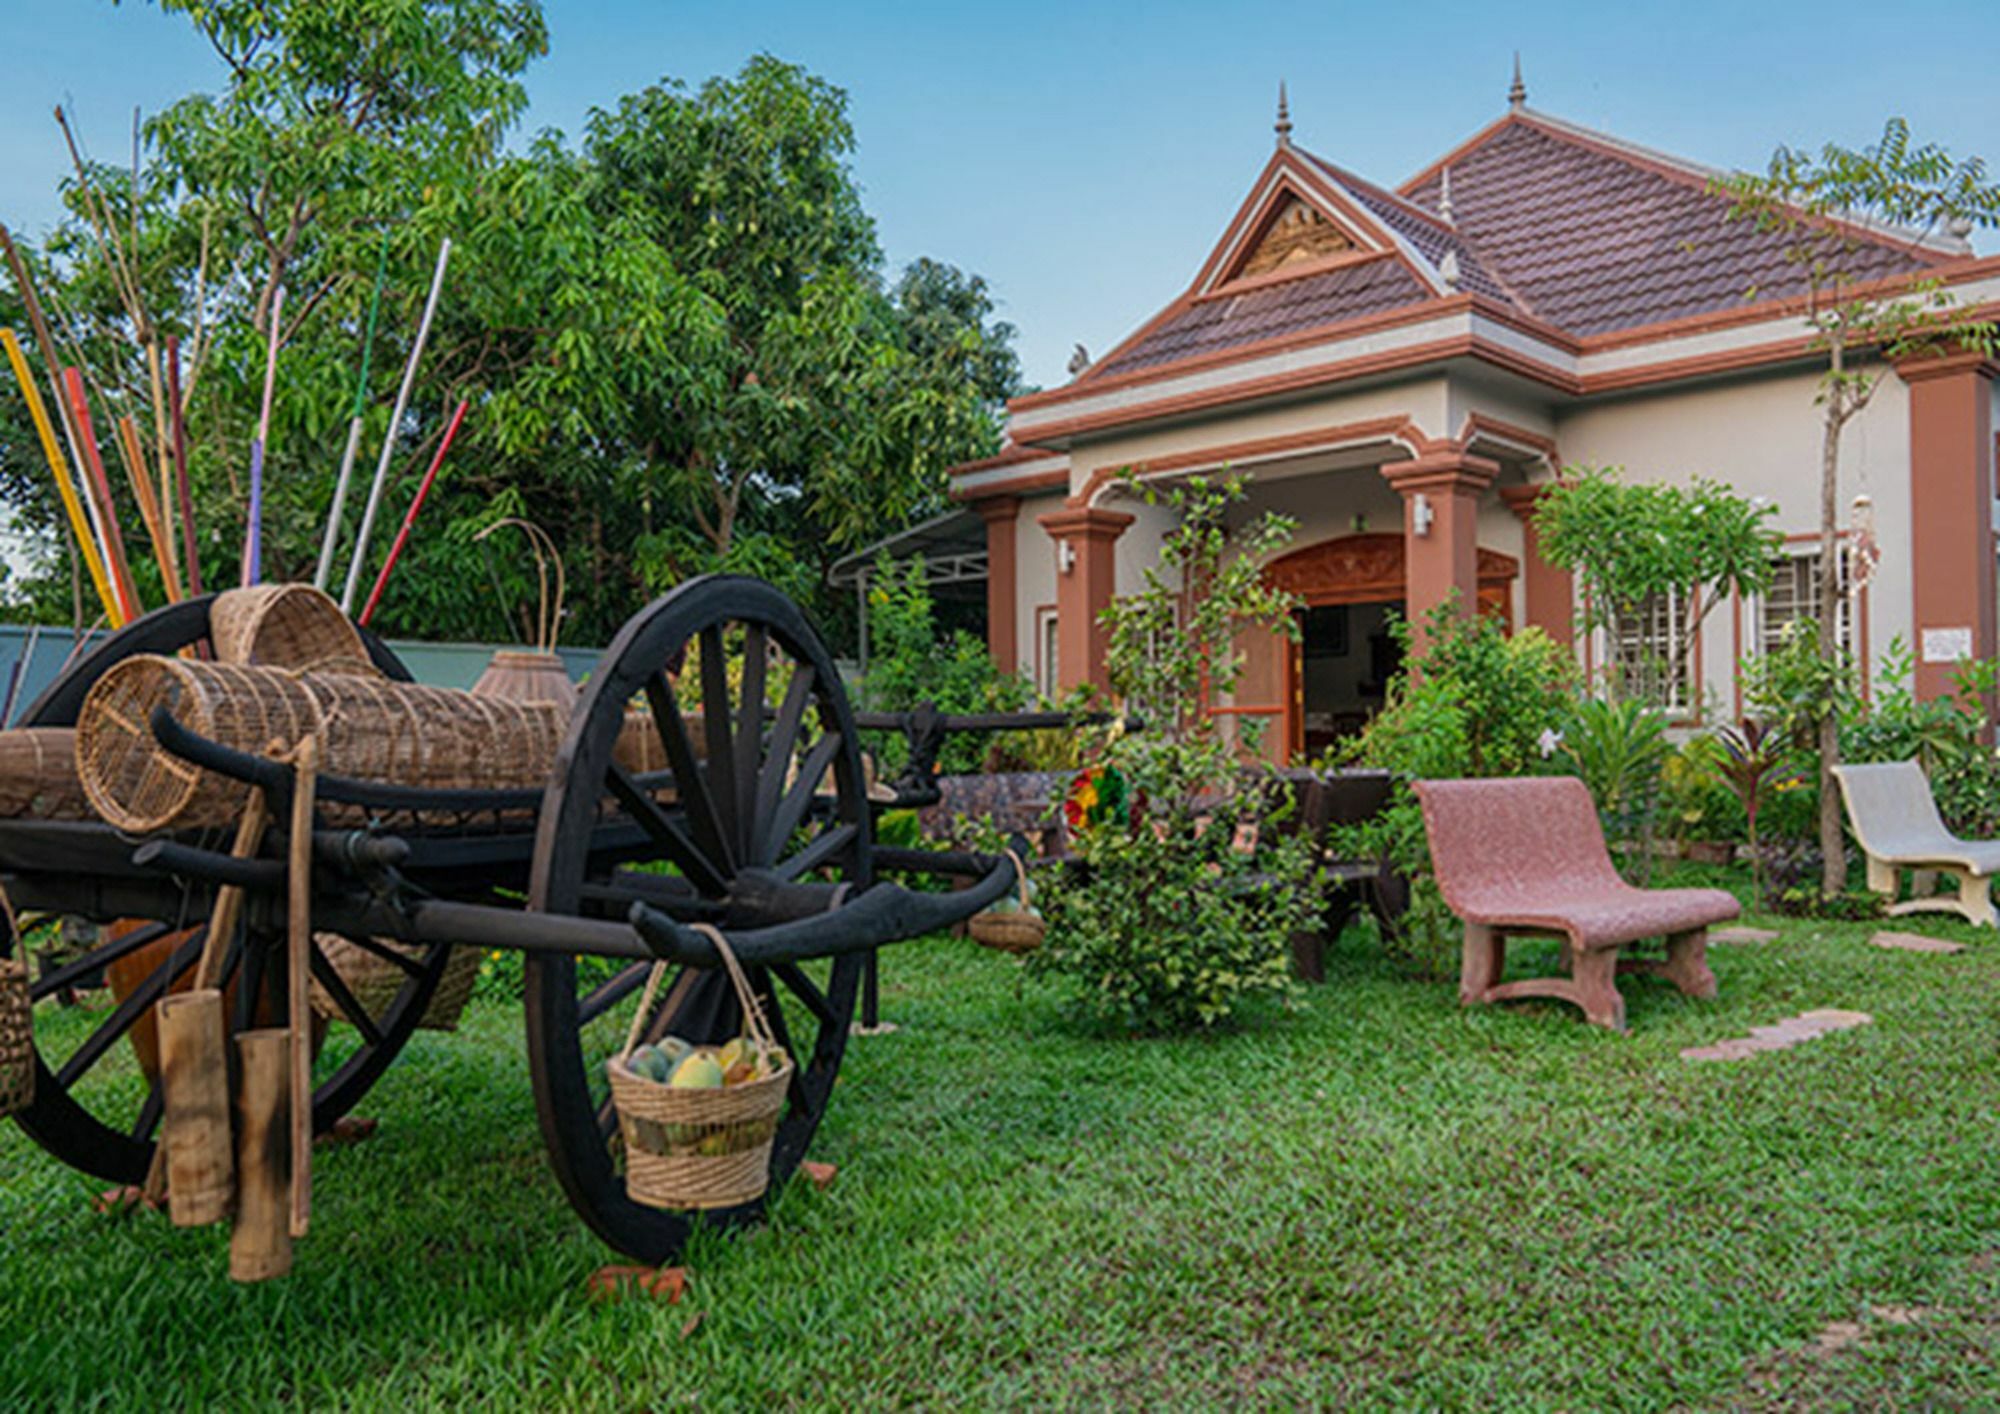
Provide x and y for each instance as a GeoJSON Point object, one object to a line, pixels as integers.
{"type": "Point", "coordinates": [1794, 595]}
{"type": "Point", "coordinates": [1649, 651]}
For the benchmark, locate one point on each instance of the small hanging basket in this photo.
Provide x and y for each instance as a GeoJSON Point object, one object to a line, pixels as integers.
{"type": "Point", "coordinates": [17, 1047]}
{"type": "Point", "coordinates": [374, 981]}
{"type": "Point", "coordinates": [1018, 932]}
{"type": "Point", "coordinates": [699, 1149]}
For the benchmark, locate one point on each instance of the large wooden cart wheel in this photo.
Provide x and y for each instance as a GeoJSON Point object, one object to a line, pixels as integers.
{"type": "Point", "coordinates": [742, 702]}
{"type": "Point", "coordinates": [97, 1098]}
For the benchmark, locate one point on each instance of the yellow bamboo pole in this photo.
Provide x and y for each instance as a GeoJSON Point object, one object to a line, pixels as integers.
{"type": "Point", "coordinates": [64, 486]}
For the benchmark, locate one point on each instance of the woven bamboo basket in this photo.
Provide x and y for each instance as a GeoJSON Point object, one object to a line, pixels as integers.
{"type": "Point", "coordinates": [282, 626]}
{"type": "Point", "coordinates": [514, 676]}
{"type": "Point", "coordinates": [699, 1149]}
{"type": "Point", "coordinates": [369, 729]}
{"type": "Point", "coordinates": [375, 982]}
{"type": "Point", "coordinates": [38, 775]}
{"type": "Point", "coordinates": [1010, 932]}
{"type": "Point", "coordinates": [17, 1045]}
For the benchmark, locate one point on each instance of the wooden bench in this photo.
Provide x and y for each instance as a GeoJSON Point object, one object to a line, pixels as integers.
{"type": "Point", "coordinates": [1527, 856]}
{"type": "Point", "coordinates": [1895, 818]}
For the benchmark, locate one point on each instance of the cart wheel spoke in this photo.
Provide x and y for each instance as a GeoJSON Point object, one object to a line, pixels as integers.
{"type": "Point", "coordinates": [715, 717]}
{"type": "Point", "coordinates": [690, 782]}
{"type": "Point", "coordinates": [149, 1113]}
{"type": "Point", "coordinates": [801, 986]}
{"type": "Point", "coordinates": [798, 798]}
{"type": "Point", "coordinates": [826, 847]}
{"type": "Point", "coordinates": [601, 999]}
{"type": "Point", "coordinates": [749, 737]}
{"type": "Point", "coordinates": [329, 978]}
{"type": "Point", "coordinates": [778, 754]}
{"type": "Point", "coordinates": [686, 855]}
{"type": "Point", "coordinates": [128, 1012]}
{"type": "Point", "coordinates": [70, 972]}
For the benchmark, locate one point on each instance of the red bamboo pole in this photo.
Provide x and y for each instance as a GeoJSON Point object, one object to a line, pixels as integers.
{"type": "Point", "coordinates": [403, 535]}
{"type": "Point", "coordinates": [100, 484]}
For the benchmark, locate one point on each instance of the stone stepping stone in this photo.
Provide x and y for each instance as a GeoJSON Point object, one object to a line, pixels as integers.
{"type": "Point", "coordinates": [1741, 935]}
{"type": "Point", "coordinates": [1915, 942]}
{"type": "Point", "coordinates": [1780, 1036]}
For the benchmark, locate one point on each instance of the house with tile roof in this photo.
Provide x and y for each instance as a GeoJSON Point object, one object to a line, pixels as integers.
{"type": "Point", "coordinates": [1405, 370]}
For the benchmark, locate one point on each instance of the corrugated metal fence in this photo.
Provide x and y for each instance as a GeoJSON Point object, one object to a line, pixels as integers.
{"type": "Point", "coordinates": [47, 650]}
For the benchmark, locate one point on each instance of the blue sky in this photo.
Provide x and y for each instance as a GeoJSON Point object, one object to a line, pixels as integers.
{"type": "Point", "coordinates": [1084, 156]}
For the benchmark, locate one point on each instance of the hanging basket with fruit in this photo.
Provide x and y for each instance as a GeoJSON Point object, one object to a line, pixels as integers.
{"type": "Point", "coordinates": [698, 1121]}
{"type": "Point", "coordinates": [1012, 924]}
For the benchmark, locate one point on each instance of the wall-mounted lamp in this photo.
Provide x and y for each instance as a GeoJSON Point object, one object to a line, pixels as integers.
{"type": "Point", "coordinates": [1421, 515]}
{"type": "Point", "coordinates": [1065, 556]}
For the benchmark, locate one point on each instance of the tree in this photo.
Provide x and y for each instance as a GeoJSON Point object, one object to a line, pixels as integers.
{"type": "Point", "coordinates": [1829, 208]}
{"type": "Point", "coordinates": [1631, 542]}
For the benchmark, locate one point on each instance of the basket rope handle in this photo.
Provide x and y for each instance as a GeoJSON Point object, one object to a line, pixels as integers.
{"type": "Point", "coordinates": [754, 1021]}
{"type": "Point", "coordinates": [1021, 876]}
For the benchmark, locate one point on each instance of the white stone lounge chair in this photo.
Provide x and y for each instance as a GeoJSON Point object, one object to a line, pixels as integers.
{"type": "Point", "coordinates": [1893, 814]}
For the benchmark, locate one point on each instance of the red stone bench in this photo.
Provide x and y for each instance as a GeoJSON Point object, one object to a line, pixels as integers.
{"type": "Point", "coordinates": [1527, 856]}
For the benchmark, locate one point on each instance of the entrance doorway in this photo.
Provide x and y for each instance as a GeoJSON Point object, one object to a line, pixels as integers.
{"type": "Point", "coordinates": [1346, 658]}
{"type": "Point", "coordinates": [1335, 677]}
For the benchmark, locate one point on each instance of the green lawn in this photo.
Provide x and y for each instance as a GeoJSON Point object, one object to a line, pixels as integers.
{"type": "Point", "coordinates": [1380, 1201]}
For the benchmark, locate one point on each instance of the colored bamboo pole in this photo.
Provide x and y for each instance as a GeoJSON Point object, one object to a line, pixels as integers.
{"type": "Point", "coordinates": [100, 485]}
{"type": "Point", "coordinates": [192, 560]}
{"type": "Point", "coordinates": [66, 489]}
{"type": "Point", "coordinates": [334, 511]}
{"type": "Point", "coordinates": [253, 533]}
{"type": "Point", "coordinates": [374, 503]}
{"type": "Point", "coordinates": [150, 511]}
{"type": "Point", "coordinates": [38, 323]}
{"type": "Point", "coordinates": [403, 535]}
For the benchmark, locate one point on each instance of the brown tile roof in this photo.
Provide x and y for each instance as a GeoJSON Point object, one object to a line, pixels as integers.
{"type": "Point", "coordinates": [1268, 311]}
{"type": "Point", "coordinates": [1593, 237]}
{"type": "Point", "coordinates": [1577, 229]}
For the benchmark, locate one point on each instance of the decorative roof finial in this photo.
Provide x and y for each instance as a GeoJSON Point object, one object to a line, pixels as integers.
{"type": "Point", "coordinates": [1283, 127]}
{"type": "Point", "coordinates": [1517, 92]}
{"type": "Point", "coordinates": [1445, 212]}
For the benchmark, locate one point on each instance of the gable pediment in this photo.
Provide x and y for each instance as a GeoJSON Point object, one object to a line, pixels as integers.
{"type": "Point", "coordinates": [1295, 233]}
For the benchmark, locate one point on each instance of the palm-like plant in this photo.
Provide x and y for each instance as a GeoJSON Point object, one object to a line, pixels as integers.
{"type": "Point", "coordinates": [1754, 760]}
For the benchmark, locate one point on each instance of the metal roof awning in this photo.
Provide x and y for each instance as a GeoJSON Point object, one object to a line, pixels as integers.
{"type": "Point", "coordinates": [952, 544]}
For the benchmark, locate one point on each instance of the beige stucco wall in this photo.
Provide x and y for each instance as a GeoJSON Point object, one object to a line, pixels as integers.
{"type": "Point", "coordinates": [1762, 436]}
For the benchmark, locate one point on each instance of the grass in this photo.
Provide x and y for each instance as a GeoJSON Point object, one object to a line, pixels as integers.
{"type": "Point", "coordinates": [1379, 1201]}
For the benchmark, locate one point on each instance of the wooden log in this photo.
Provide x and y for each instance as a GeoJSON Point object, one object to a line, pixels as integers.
{"type": "Point", "coordinates": [194, 1069]}
{"type": "Point", "coordinates": [260, 1243]}
{"type": "Point", "coordinates": [298, 976]}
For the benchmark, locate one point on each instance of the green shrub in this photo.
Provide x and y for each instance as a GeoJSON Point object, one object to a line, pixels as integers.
{"type": "Point", "coordinates": [1168, 922]}
{"type": "Point", "coordinates": [911, 663]}
{"type": "Point", "coordinates": [1618, 749]}
{"type": "Point", "coordinates": [1944, 734]}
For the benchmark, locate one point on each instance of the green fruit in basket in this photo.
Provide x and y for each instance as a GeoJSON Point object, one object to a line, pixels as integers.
{"type": "Point", "coordinates": [698, 1072]}
{"type": "Point", "coordinates": [648, 1064]}
{"type": "Point", "coordinates": [675, 1050]}
{"type": "Point", "coordinates": [733, 1053]}
{"type": "Point", "coordinates": [1008, 904]}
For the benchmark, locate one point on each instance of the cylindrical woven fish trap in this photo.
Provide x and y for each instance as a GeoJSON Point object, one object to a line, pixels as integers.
{"type": "Point", "coordinates": [426, 738]}
{"type": "Point", "coordinates": [281, 626]}
{"type": "Point", "coordinates": [38, 775]}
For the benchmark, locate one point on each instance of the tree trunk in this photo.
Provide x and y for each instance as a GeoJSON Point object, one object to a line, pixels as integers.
{"type": "Point", "coordinates": [1832, 847]}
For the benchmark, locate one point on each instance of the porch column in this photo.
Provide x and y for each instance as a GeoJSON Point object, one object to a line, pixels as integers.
{"type": "Point", "coordinates": [1951, 514]}
{"type": "Point", "coordinates": [1545, 590]}
{"type": "Point", "coordinates": [1443, 556]}
{"type": "Point", "coordinates": [1086, 541]}
{"type": "Point", "coordinates": [1003, 636]}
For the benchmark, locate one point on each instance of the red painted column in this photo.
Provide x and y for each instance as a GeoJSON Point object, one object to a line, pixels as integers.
{"type": "Point", "coordinates": [1951, 514]}
{"type": "Point", "coordinates": [1086, 543]}
{"type": "Point", "coordinates": [1546, 591]}
{"type": "Point", "coordinates": [1445, 556]}
{"type": "Point", "coordinates": [1003, 635]}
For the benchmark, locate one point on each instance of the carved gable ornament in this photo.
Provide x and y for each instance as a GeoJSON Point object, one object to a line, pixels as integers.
{"type": "Point", "coordinates": [1359, 569]}
{"type": "Point", "coordinates": [1296, 233]}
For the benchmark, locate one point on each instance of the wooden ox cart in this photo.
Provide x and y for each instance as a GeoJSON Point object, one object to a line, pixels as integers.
{"type": "Point", "coordinates": [743, 808]}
